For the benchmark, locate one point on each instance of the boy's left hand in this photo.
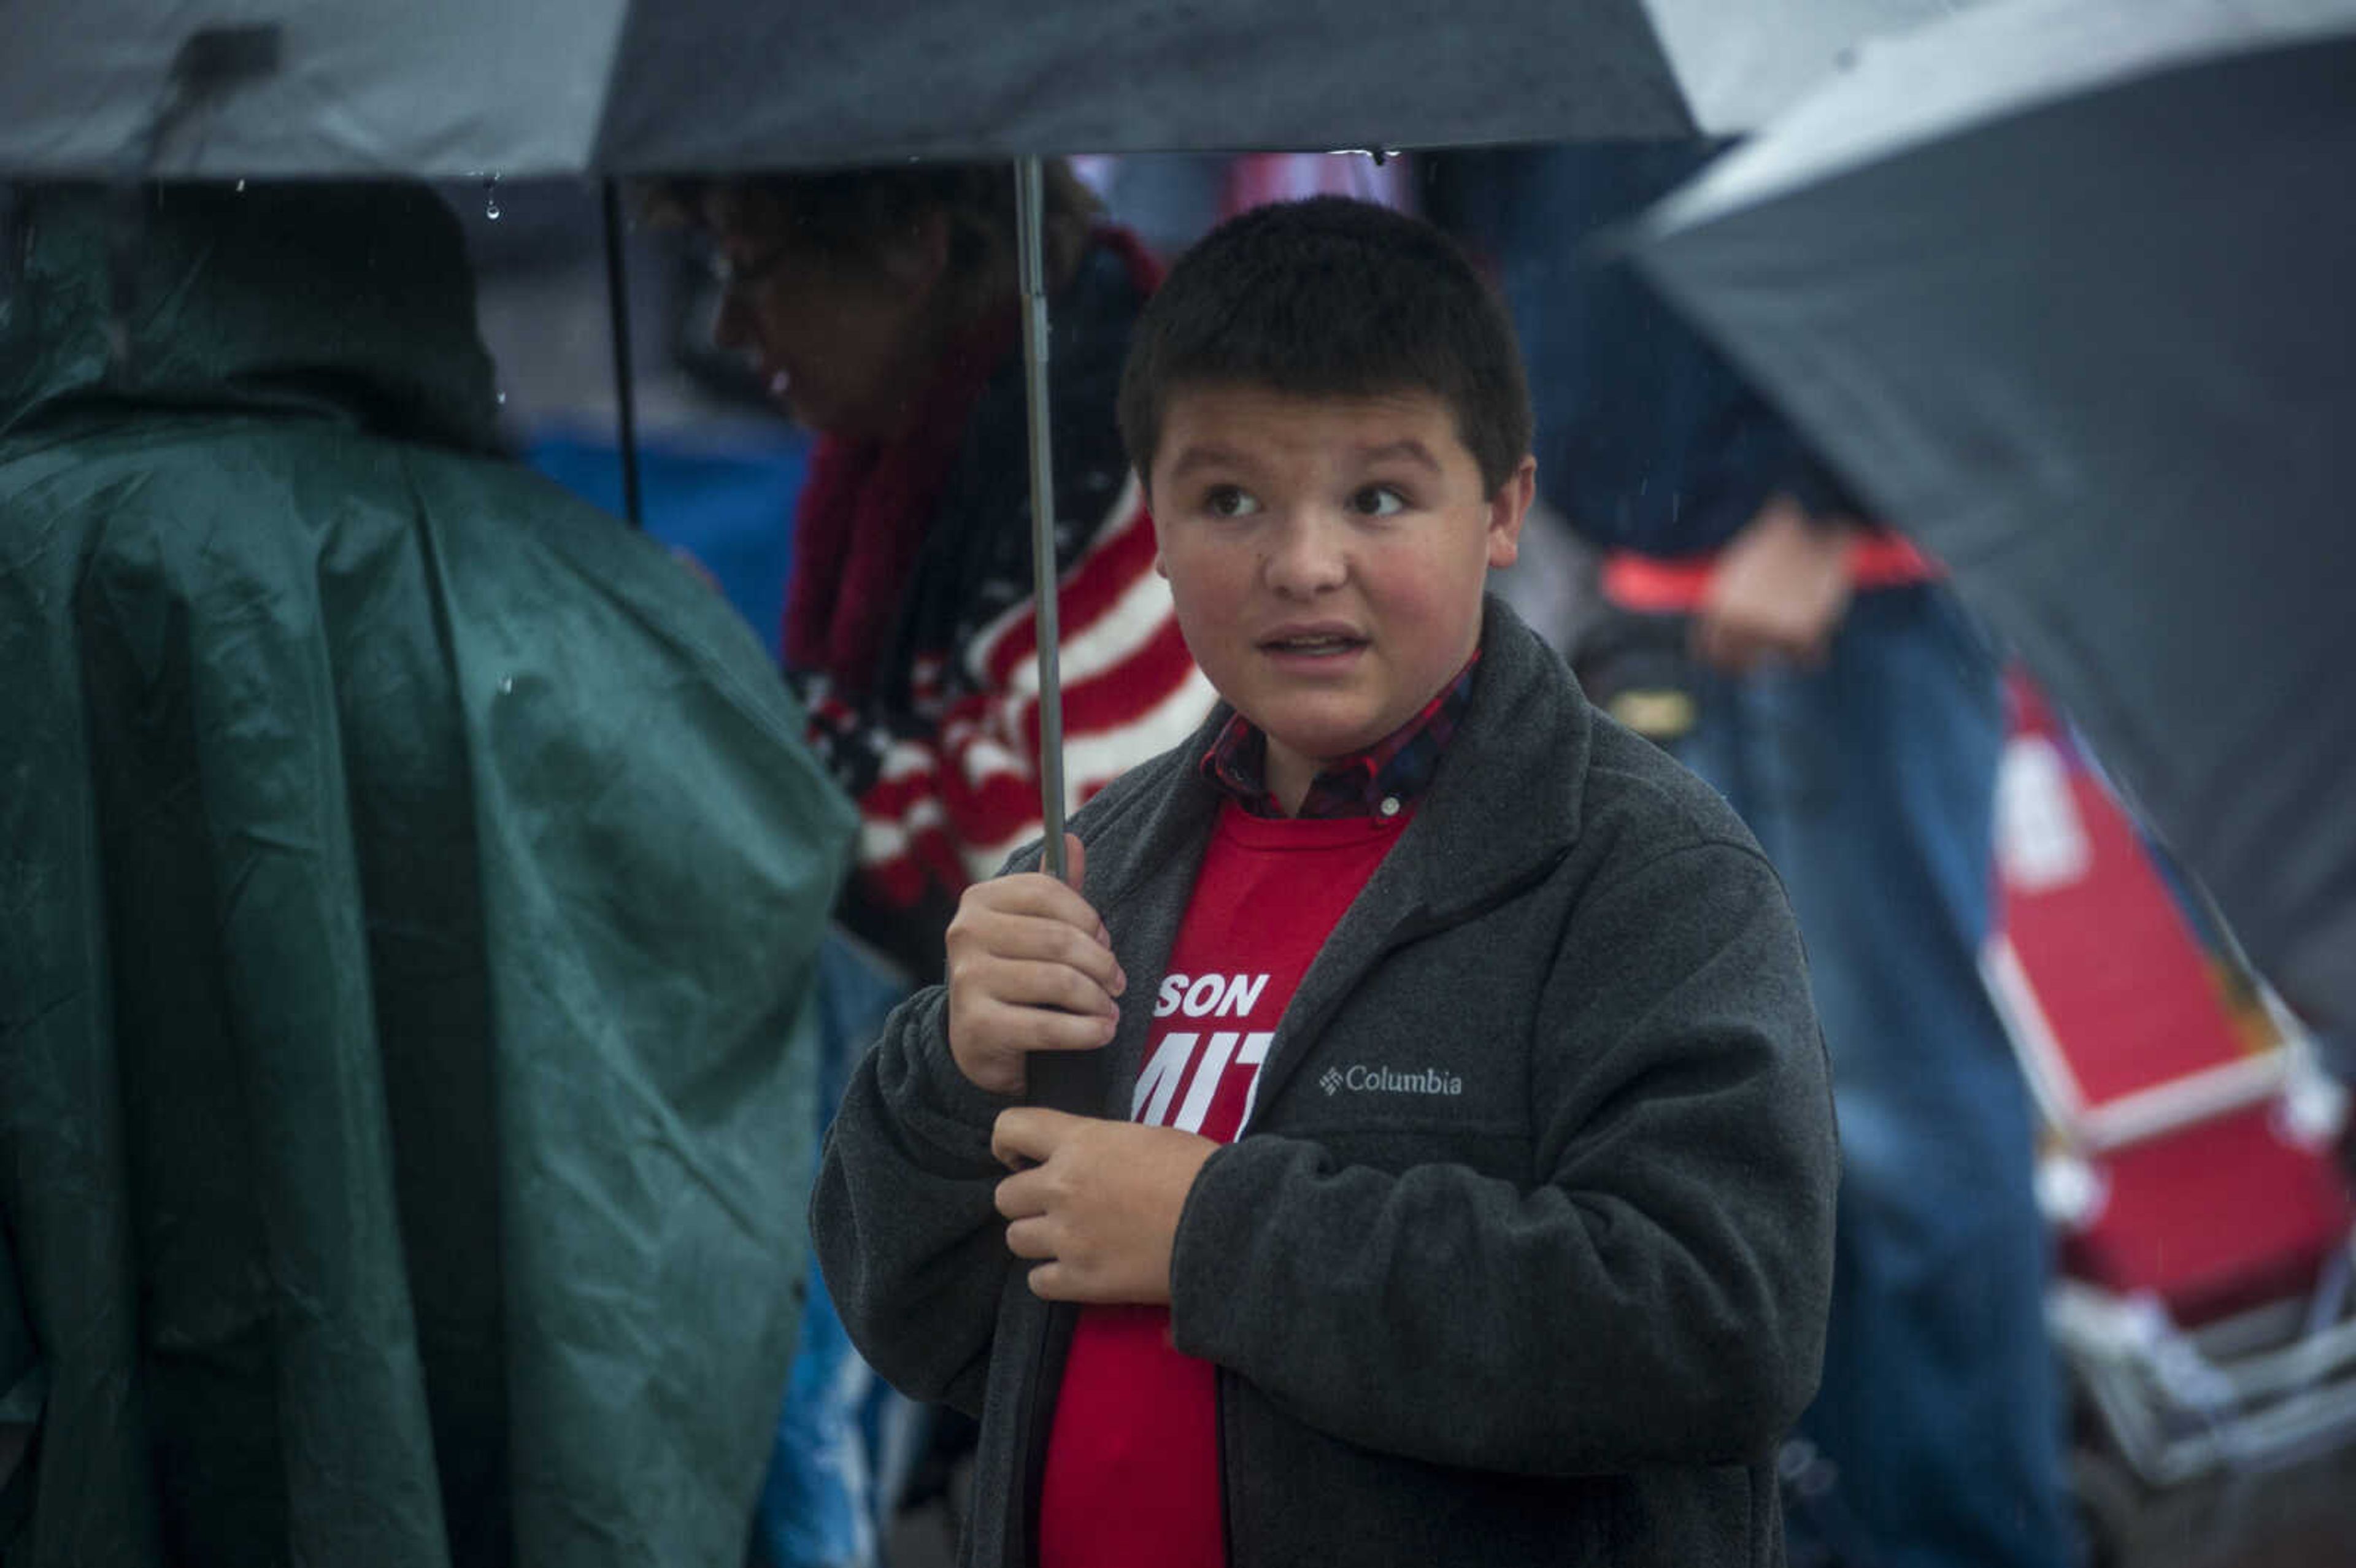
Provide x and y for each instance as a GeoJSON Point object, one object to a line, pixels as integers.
{"type": "Point", "coordinates": [1098, 1204]}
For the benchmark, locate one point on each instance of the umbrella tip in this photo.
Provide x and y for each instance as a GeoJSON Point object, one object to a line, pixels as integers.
{"type": "Point", "coordinates": [211, 61]}
{"type": "Point", "coordinates": [213, 58]}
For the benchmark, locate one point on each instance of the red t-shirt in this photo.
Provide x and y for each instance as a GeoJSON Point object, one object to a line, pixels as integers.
{"type": "Point", "coordinates": [1133, 1476]}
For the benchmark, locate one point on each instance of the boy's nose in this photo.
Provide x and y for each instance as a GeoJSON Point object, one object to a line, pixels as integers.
{"type": "Point", "coordinates": [1309, 555]}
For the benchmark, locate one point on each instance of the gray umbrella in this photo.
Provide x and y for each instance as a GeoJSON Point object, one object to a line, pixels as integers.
{"type": "Point", "coordinates": [473, 87]}
{"type": "Point", "coordinates": [2068, 289]}
{"type": "Point", "coordinates": [541, 87]}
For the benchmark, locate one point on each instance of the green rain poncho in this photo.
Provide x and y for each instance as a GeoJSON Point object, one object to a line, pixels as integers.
{"type": "Point", "coordinates": [409, 880]}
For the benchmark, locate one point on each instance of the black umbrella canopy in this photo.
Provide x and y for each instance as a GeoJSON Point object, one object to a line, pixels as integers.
{"type": "Point", "coordinates": [113, 88]}
{"type": "Point", "coordinates": [547, 86]}
{"type": "Point", "coordinates": [1003, 77]}
{"type": "Point", "coordinates": [2063, 286]}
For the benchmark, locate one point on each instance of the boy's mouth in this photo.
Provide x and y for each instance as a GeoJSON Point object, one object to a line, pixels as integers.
{"type": "Point", "coordinates": [1313, 643]}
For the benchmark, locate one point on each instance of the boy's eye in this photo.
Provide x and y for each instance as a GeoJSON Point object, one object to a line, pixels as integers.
{"type": "Point", "coordinates": [1229, 501]}
{"type": "Point", "coordinates": [1377, 501]}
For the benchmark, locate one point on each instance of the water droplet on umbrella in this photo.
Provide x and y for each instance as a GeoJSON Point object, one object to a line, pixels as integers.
{"type": "Point", "coordinates": [240, 185]}
{"type": "Point", "coordinates": [491, 197]}
{"type": "Point", "coordinates": [503, 399]}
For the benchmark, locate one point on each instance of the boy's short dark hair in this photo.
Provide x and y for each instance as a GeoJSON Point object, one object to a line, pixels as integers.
{"type": "Point", "coordinates": [1330, 297]}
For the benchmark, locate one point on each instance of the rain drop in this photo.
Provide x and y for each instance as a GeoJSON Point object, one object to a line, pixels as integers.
{"type": "Point", "coordinates": [491, 197]}
{"type": "Point", "coordinates": [503, 399]}
{"type": "Point", "coordinates": [240, 185]}
{"type": "Point", "coordinates": [506, 683]}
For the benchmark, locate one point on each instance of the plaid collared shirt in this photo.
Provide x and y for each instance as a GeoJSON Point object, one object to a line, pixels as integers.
{"type": "Point", "coordinates": [1395, 769]}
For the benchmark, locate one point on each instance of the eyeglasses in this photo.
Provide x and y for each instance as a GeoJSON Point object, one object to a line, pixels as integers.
{"type": "Point", "coordinates": [735, 277]}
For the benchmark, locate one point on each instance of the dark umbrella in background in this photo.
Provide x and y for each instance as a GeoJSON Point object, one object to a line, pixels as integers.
{"type": "Point", "coordinates": [452, 88]}
{"type": "Point", "coordinates": [2068, 289]}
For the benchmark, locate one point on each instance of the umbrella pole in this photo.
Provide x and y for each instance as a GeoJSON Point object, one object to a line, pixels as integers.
{"type": "Point", "coordinates": [617, 307]}
{"type": "Point", "coordinates": [1030, 222]}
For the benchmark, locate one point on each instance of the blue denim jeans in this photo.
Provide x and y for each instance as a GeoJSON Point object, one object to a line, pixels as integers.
{"type": "Point", "coordinates": [1870, 784]}
{"type": "Point", "coordinates": [845, 1440]}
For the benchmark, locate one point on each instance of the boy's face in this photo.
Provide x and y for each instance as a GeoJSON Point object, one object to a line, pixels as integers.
{"type": "Point", "coordinates": [1327, 556]}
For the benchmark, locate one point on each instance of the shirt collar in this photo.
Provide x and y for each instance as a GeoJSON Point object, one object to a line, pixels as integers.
{"type": "Point", "coordinates": [1377, 782]}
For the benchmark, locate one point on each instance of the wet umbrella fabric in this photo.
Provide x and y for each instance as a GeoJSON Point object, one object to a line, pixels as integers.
{"type": "Point", "coordinates": [2063, 287]}
{"type": "Point", "coordinates": [454, 87]}
{"type": "Point", "coordinates": [457, 89]}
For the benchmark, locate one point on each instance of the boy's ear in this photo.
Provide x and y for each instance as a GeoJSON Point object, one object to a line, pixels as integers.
{"type": "Point", "coordinates": [1145, 489]}
{"type": "Point", "coordinates": [1507, 509]}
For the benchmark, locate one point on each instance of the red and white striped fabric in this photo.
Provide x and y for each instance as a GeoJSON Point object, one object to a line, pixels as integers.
{"type": "Point", "coordinates": [951, 809]}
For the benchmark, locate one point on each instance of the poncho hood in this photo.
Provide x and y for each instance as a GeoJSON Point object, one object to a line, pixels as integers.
{"type": "Point", "coordinates": [179, 297]}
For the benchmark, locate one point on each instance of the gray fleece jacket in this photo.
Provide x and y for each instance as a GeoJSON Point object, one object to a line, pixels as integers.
{"type": "Point", "coordinates": [1526, 1257]}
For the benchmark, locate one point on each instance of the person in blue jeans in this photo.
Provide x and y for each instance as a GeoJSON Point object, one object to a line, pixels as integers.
{"type": "Point", "coordinates": [1869, 779]}
{"type": "Point", "coordinates": [845, 1440]}
{"type": "Point", "coordinates": [1847, 707]}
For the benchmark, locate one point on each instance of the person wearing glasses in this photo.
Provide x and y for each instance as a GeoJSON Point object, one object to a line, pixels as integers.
{"type": "Point", "coordinates": [879, 308]}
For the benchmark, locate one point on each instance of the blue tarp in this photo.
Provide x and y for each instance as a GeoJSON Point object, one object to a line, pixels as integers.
{"type": "Point", "coordinates": [728, 506]}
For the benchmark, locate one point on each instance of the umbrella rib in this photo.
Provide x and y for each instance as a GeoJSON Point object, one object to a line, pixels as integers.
{"type": "Point", "coordinates": [618, 307]}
